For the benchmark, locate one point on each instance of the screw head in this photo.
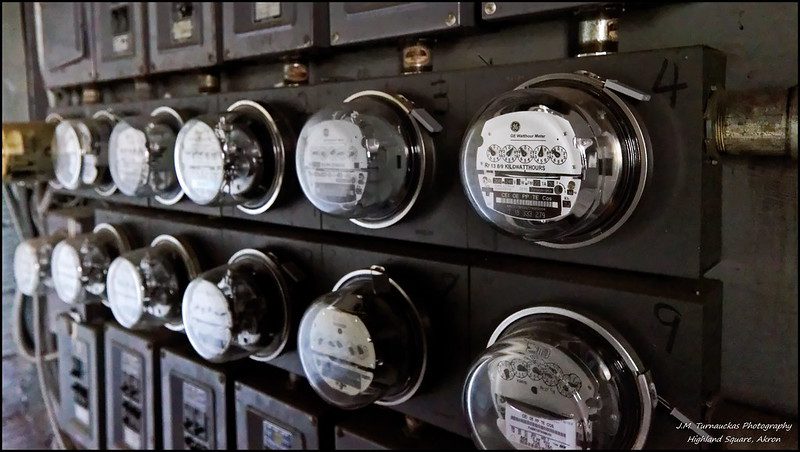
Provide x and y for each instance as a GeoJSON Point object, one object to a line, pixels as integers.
{"type": "Point", "coordinates": [450, 20]}
{"type": "Point", "coordinates": [334, 37]}
{"type": "Point", "coordinates": [489, 8]}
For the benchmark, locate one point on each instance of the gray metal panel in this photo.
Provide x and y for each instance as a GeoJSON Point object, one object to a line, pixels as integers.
{"type": "Point", "coordinates": [121, 39]}
{"type": "Point", "coordinates": [297, 26]}
{"type": "Point", "coordinates": [378, 429]}
{"type": "Point", "coordinates": [90, 378]}
{"type": "Point", "coordinates": [177, 370]}
{"type": "Point", "coordinates": [352, 22]}
{"type": "Point", "coordinates": [674, 325]}
{"type": "Point", "coordinates": [67, 31]}
{"type": "Point", "coordinates": [179, 41]}
{"type": "Point", "coordinates": [505, 10]}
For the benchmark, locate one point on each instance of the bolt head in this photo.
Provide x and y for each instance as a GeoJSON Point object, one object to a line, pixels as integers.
{"type": "Point", "coordinates": [450, 20]}
{"type": "Point", "coordinates": [489, 8]}
{"type": "Point", "coordinates": [335, 37]}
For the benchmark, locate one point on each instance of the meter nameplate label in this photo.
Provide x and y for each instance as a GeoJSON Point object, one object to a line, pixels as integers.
{"type": "Point", "coordinates": [131, 365]}
{"type": "Point", "coordinates": [344, 354]}
{"type": "Point", "coordinates": [201, 162]}
{"type": "Point", "coordinates": [129, 159]}
{"type": "Point", "coordinates": [336, 162]}
{"type": "Point", "coordinates": [529, 166]}
{"type": "Point", "coordinates": [121, 43]}
{"type": "Point", "coordinates": [125, 293]}
{"type": "Point", "coordinates": [209, 319]}
{"type": "Point", "coordinates": [276, 437]}
{"type": "Point", "coordinates": [182, 30]}
{"type": "Point", "coordinates": [66, 272]}
{"type": "Point", "coordinates": [195, 397]}
{"type": "Point", "coordinates": [526, 431]}
{"type": "Point", "coordinates": [266, 10]}
{"type": "Point", "coordinates": [26, 268]}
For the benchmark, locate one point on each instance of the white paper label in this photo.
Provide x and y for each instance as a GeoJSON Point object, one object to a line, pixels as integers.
{"type": "Point", "coordinates": [26, 268]}
{"type": "Point", "coordinates": [66, 268]}
{"type": "Point", "coordinates": [125, 293]}
{"type": "Point", "coordinates": [344, 354]}
{"type": "Point", "coordinates": [195, 397]}
{"type": "Point", "coordinates": [121, 43]}
{"type": "Point", "coordinates": [132, 365]}
{"type": "Point", "coordinates": [208, 319]}
{"type": "Point", "coordinates": [182, 29]}
{"type": "Point", "coordinates": [529, 166]}
{"type": "Point", "coordinates": [526, 431]}
{"type": "Point", "coordinates": [200, 161]}
{"type": "Point", "coordinates": [335, 162]}
{"type": "Point", "coordinates": [266, 10]}
{"type": "Point", "coordinates": [132, 439]}
{"type": "Point", "coordinates": [82, 415]}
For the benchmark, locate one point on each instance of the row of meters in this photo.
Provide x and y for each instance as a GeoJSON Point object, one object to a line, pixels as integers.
{"type": "Point", "coordinates": [562, 160]}
{"type": "Point", "coordinates": [550, 377]}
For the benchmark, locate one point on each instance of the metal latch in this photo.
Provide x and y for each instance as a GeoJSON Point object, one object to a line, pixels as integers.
{"type": "Point", "coordinates": [615, 85]}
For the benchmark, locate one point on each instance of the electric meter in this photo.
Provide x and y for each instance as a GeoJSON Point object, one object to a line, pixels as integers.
{"type": "Point", "coordinates": [367, 159]}
{"type": "Point", "coordinates": [32, 263]}
{"type": "Point", "coordinates": [364, 342]}
{"type": "Point", "coordinates": [235, 157]}
{"type": "Point", "coordinates": [554, 379]}
{"type": "Point", "coordinates": [562, 160]}
{"type": "Point", "coordinates": [141, 155]}
{"type": "Point", "coordinates": [80, 152]}
{"type": "Point", "coordinates": [80, 264]}
{"type": "Point", "coordinates": [146, 286]}
{"type": "Point", "coordinates": [241, 309]}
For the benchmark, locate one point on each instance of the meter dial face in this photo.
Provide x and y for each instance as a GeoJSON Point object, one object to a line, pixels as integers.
{"type": "Point", "coordinates": [141, 157]}
{"type": "Point", "coordinates": [66, 269]}
{"type": "Point", "coordinates": [125, 292]}
{"type": "Point", "coordinates": [561, 161]}
{"type": "Point", "coordinates": [199, 162]}
{"type": "Point", "coordinates": [551, 381]}
{"type": "Point", "coordinates": [362, 161]}
{"type": "Point", "coordinates": [363, 343]}
{"type": "Point", "coordinates": [239, 309]}
{"type": "Point", "coordinates": [26, 268]}
{"type": "Point", "coordinates": [68, 149]}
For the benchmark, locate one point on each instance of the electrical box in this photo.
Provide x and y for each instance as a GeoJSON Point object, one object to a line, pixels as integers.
{"type": "Point", "coordinates": [274, 411]}
{"type": "Point", "coordinates": [68, 34]}
{"type": "Point", "coordinates": [183, 35]}
{"type": "Point", "coordinates": [375, 428]}
{"type": "Point", "coordinates": [81, 382]}
{"type": "Point", "coordinates": [508, 10]}
{"type": "Point", "coordinates": [133, 388]}
{"type": "Point", "coordinates": [197, 400]}
{"type": "Point", "coordinates": [353, 22]}
{"type": "Point", "coordinates": [267, 28]}
{"type": "Point", "coordinates": [121, 39]}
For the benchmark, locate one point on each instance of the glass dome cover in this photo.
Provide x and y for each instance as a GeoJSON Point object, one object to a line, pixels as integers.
{"type": "Point", "coordinates": [32, 263]}
{"type": "Point", "coordinates": [80, 152]}
{"type": "Point", "coordinates": [552, 378]}
{"type": "Point", "coordinates": [365, 160]}
{"type": "Point", "coordinates": [561, 160]}
{"type": "Point", "coordinates": [364, 342]}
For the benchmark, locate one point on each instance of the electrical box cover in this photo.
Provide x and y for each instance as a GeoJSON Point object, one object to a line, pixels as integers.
{"type": "Point", "coordinates": [183, 35]}
{"type": "Point", "coordinates": [121, 44]}
{"type": "Point", "coordinates": [67, 33]}
{"type": "Point", "coordinates": [353, 22]}
{"type": "Point", "coordinates": [267, 28]}
{"type": "Point", "coordinates": [507, 10]}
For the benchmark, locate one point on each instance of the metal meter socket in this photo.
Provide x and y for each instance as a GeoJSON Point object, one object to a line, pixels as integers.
{"type": "Point", "coordinates": [141, 155]}
{"type": "Point", "coordinates": [554, 379]}
{"type": "Point", "coordinates": [364, 342]}
{"type": "Point", "coordinates": [562, 160]}
{"type": "Point", "coordinates": [146, 286]}
{"type": "Point", "coordinates": [80, 152]}
{"type": "Point", "coordinates": [243, 308]}
{"type": "Point", "coordinates": [235, 157]}
{"type": "Point", "coordinates": [32, 263]}
{"type": "Point", "coordinates": [367, 159]}
{"type": "Point", "coordinates": [80, 264]}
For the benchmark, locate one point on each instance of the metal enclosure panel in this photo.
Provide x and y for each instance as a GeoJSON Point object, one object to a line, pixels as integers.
{"type": "Point", "coordinates": [125, 349]}
{"type": "Point", "coordinates": [67, 33]}
{"type": "Point", "coordinates": [272, 400]}
{"type": "Point", "coordinates": [440, 214]}
{"type": "Point", "coordinates": [506, 10]}
{"type": "Point", "coordinates": [183, 35]}
{"type": "Point", "coordinates": [440, 289]}
{"type": "Point", "coordinates": [379, 429]}
{"type": "Point", "coordinates": [181, 374]}
{"type": "Point", "coordinates": [293, 105]}
{"type": "Point", "coordinates": [352, 22]}
{"type": "Point", "coordinates": [215, 242]}
{"type": "Point", "coordinates": [120, 40]}
{"type": "Point", "coordinates": [674, 325]}
{"type": "Point", "coordinates": [266, 28]}
{"type": "Point", "coordinates": [677, 218]}
{"type": "Point", "coordinates": [80, 380]}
